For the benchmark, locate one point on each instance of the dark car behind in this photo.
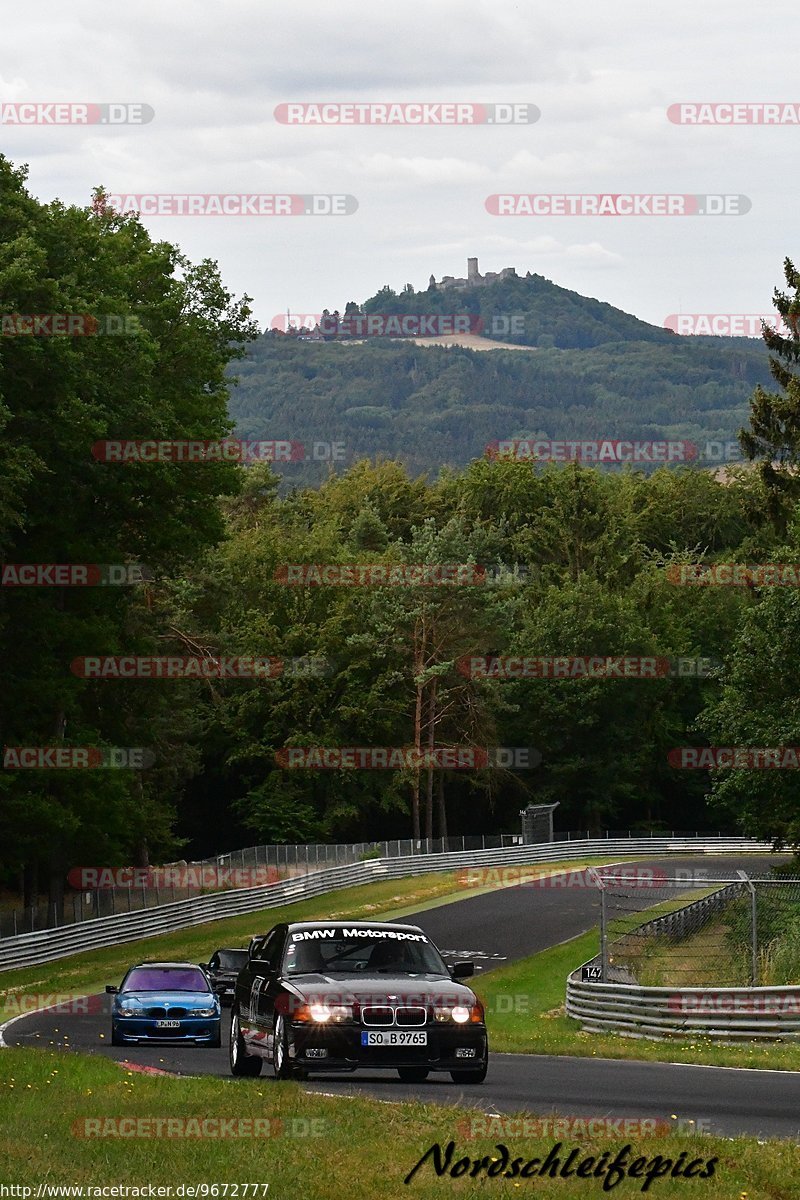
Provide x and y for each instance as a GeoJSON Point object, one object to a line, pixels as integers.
{"type": "Point", "coordinates": [222, 969]}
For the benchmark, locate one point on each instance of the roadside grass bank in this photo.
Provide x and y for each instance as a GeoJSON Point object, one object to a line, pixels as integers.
{"type": "Point", "coordinates": [525, 1015]}
{"type": "Point", "coordinates": [79, 1120]}
{"type": "Point", "coordinates": [88, 972]}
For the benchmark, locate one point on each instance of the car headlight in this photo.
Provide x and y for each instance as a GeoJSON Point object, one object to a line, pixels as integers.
{"type": "Point", "coordinates": [204, 1012]}
{"type": "Point", "coordinates": [324, 1014]}
{"type": "Point", "coordinates": [127, 1010]}
{"type": "Point", "coordinates": [460, 1014]}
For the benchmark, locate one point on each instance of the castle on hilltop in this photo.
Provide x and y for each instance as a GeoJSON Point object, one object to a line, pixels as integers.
{"type": "Point", "coordinates": [474, 278]}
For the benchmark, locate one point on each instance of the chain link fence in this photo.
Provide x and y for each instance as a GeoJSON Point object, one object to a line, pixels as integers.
{"type": "Point", "coordinates": [252, 866]}
{"type": "Point", "coordinates": [700, 930]}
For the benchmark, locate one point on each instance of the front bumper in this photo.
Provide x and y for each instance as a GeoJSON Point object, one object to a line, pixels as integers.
{"type": "Point", "coordinates": [338, 1048]}
{"type": "Point", "coordinates": [225, 988]}
{"type": "Point", "coordinates": [143, 1029]}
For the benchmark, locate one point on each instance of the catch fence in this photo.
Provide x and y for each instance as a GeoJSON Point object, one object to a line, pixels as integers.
{"type": "Point", "coordinates": [702, 929]}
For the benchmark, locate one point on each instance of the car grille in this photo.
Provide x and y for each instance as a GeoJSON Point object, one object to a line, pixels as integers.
{"type": "Point", "coordinates": [170, 1014]}
{"type": "Point", "coordinates": [384, 1015]}
{"type": "Point", "coordinates": [378, 1015]}
{"type": "Point", "coordinates": [411, 1016]}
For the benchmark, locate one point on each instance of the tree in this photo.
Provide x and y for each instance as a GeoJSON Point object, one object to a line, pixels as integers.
{"type": "Point", "coordinates": [773, 439]}
{"type": "Point", "coordinates": [58, 503]}
{"type": "Point", "coordinates": [756, 706]}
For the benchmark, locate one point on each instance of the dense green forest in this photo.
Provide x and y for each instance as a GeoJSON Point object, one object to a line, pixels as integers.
{"type": "Point", "coordinates": [596, 373]}
{"type": "Point", "coordinates": [569, 561]}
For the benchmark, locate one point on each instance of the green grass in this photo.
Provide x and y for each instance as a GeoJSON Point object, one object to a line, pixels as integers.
{"type": "Point", "coordinates": [328, 1148]}
{"type": "Point", "coordinates": [525, 1015]}
{"type": "Point", "coordinates": [702, 959]}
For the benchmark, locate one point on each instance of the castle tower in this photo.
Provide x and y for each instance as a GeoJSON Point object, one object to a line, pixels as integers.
{"type": "Point", "coordinates": [472, 270]}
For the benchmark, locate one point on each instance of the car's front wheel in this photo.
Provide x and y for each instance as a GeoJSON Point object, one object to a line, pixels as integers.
{"type": "Point", "coordinates": [281, 1063]}
{"type": "Point", "coordinates": [471, 1074]}
{"type": "Point", "coordinates": [242, 1063]}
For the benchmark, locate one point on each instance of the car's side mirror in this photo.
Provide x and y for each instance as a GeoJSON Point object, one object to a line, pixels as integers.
{"type": "Point", "coordinates": [111, 989]}
{"type": "Point", "coordinates": [461, 970]}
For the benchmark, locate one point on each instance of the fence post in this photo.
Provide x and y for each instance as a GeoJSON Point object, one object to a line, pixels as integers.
{"type": "Point", "coordinates": [603, 937]}
{"type": "Point", "coordinates": [754, 915]}
{"type": "Point", "coordinates": [753, 928]}
{"type": "Point", "coordinates": [603, 926]}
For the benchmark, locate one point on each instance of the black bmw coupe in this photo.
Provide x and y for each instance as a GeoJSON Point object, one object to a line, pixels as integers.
{"type": "Point", "coordinates": [338, 996]}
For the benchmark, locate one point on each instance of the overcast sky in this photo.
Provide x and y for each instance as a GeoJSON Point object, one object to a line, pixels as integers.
{"type": "Point", "coordinates": [602, 76]}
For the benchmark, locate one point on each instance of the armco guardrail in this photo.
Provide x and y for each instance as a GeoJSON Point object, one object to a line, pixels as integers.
{"type": "Point", "coordinates": [44, 946]}
{"type": "Point", "coordinates": [723, 1014]}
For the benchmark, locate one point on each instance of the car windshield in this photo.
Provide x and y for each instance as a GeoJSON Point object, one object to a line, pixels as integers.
{"type": "Point", "coordinates": [165, 979]}
{"type": "Point", "coordinates": [369, 954]}
{"type": "Point", "coordinates": [231, 960]}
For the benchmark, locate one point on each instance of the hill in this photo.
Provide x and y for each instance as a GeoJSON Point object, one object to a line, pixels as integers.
{"type": "Point", "coordinates": [526, 310]}
{"type": "Point", "coordinates": [598, 373]}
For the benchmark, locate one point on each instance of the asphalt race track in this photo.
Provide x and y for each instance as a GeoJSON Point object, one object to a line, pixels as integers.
{"type": "Point", "coordinates": [495, 928]}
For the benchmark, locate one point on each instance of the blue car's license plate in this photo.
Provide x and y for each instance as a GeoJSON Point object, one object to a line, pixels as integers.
{"type": "Point", "coordinates": [168, 1024]}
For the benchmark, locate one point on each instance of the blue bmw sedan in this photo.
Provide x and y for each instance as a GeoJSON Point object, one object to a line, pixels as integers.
{"type": "Point", "coordinates": [165, 1002]}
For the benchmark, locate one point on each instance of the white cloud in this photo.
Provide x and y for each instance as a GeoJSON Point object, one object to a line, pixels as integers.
{"type": "Point", "coordinates": [391, 168]}
{"type": "Point", "coordinates": [602, 78]}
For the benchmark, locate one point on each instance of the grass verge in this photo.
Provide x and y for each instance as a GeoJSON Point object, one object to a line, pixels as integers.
{"type": "Point", "coordinates": [310, 1146]}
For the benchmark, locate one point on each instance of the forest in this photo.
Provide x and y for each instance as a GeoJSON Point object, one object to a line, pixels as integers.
{"type": "Point", "coordinates": [592, 372]}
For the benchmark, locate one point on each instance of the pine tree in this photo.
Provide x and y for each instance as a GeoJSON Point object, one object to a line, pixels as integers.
{"type": "Point", "coordinates": [773, 439]}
